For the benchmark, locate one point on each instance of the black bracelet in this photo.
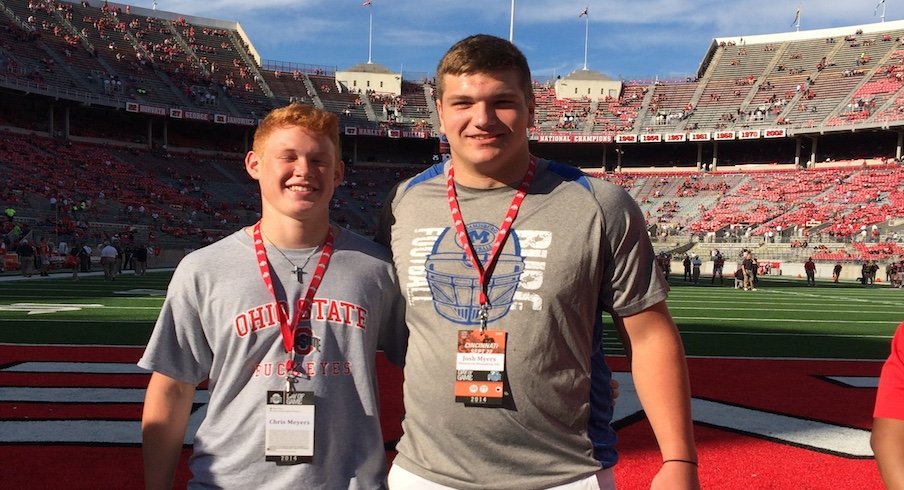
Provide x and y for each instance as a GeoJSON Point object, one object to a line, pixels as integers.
{"type": "Point", "coordinates": [688, 461]}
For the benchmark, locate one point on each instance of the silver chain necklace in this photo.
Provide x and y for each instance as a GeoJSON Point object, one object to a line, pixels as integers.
{"type": "Point", "coordinates": [298, 271]}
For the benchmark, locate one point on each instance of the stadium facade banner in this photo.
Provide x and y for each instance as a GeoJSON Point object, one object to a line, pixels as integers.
{"type": "Point", "coordinates": [724, 135]}
{"type": "Point", "coordinates": [574, 138]}
{"type": "Point", "coordinates": [370, 132]}
{"type": "Point", "coordinates": [180, 113]}
{"type": "Point", "coordinates": [149, 109]}
{"type": "Point", "coordinates": [196, 116]}
{"type": "Point", "coordinates": [555, 138]}
{"type": "Point", "coordinates": [745, 134]}
{"type": "Point", "coordinates": [386, 133]}
{"type": "Point", "coordinates": [241, 121]}
{"type": "Point", "coordinates": [593, 138]}
{"type": "Point", "coordinates": [749, 134]}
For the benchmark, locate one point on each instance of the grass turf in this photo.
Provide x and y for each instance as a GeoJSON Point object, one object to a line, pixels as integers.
{"type": "Point", "coordinates": [784, 318]}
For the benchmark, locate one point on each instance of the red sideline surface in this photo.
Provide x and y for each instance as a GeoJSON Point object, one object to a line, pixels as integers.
{"type": "Point", "coordinates": [729, 459]}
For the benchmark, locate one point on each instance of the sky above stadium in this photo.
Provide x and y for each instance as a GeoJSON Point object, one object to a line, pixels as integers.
{"type": "Point", "coordinates": [628, 39]}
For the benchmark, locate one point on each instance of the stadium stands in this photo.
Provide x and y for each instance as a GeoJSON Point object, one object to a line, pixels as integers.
{"type": "Point", "coordinates": [155, 109]}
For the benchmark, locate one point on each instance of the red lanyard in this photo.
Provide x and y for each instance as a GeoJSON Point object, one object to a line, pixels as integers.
{"type": "Point", "coordinates": [282, 311]}
{"type": "Point", "coordinates": [501, 236]}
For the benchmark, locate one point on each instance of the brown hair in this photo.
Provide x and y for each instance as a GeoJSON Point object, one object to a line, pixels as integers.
{"type": "Point", "coordinates": [482, 53]}
{"type": "Point", "coordinates": [317, 121]}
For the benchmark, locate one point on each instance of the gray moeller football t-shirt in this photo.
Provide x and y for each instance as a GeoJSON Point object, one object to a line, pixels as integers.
{"type": "Point", "coordinates": [578, 247]}
{"type": "Point", "coordinates": [218, 323]}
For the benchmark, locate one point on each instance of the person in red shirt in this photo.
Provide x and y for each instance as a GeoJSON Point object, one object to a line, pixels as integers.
{"type": "Point", "coordinates": [810, 269]}
{"type": "Point", "coordinates": [887, 438]}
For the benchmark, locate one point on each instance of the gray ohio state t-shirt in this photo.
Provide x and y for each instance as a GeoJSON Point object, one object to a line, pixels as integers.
{"type": "Point", "coordinates": [219, 323]}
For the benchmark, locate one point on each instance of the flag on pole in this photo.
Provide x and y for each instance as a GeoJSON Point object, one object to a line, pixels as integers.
{"type": "Point", "coordinates": [366, 3]}
{"type": "Point", "coordinates": [876, 11]}
{"type": "Point", "coordinates": [796, 17]}
{"type": "Point", "coordinates": [586, 12]}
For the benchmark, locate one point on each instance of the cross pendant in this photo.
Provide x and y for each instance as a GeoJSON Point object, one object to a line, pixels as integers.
{"type": "Point", "coordinates": [299, 274]}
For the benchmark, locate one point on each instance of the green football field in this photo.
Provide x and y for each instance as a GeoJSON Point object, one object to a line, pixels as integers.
{"type": "Point", "coordinates": [784, 318]}
{"type": "Point", "coordinates": [752, 405]}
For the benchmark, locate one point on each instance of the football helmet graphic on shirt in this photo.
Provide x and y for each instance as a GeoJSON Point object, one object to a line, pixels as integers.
{"type": "Point", "coordinates": [454, 282]}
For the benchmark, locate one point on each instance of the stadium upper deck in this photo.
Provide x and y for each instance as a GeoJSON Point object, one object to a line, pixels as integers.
{"type": "Point", "coordinates": [183, 67]}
